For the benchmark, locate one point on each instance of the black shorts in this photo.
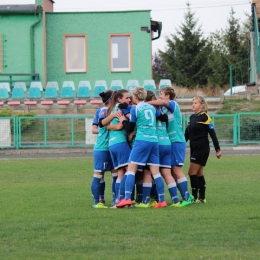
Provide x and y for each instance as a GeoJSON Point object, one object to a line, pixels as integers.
{"type": "Point", "coordinates": [199, 151]}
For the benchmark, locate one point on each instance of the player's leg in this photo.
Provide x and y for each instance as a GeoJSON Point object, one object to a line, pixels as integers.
{"type": "Point", "coordinates": [193, 171]}
{"type": "Point", "coordinates": [202, 186]}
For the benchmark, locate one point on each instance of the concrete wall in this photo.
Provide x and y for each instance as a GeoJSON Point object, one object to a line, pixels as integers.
{"type": "Point", "coordinates": [97, 26]}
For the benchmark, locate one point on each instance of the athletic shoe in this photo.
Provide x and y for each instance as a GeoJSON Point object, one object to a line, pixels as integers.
{"type": "Point", "coordinates": [191, 198]}
{"type": "Point", "coordinates": [133, 204]}
{"type": "Point", "coordinates": [177, 205]}
{"type": "Point", "coordinates": [100, 205]}
{"type": "Point", "coordinates": [102, 201]}
{"type": "Point", "coordinates": [142, 205]}
{"type": "Point", "coordinates": [124, 202]}
{"type": "Point", "coordinates": [152, 203]}
{"type": "Point", "coordinates": [113, 207]}
{"type": "Point", "coordinates": [162, 204]}
{"type": "Point", "coordinates": [185, 203]}
{"type": "Point", "coordinates": [201, 201]}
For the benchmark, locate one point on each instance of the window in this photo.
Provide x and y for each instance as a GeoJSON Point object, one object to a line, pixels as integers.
{"type": "Point", "coordinates": [75, 52]}
{"type": "Point", "coordinates": [120, 53]}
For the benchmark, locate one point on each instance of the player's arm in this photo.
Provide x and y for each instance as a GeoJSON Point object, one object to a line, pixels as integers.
{"type": "Point", "coordinates": [129, 125]}
{"type": "Point", "coordinates": [105, 121]}
{"type": "Point", "coordinates": [162, 117]}
{"type": "Point", "coordinates": [94, 129]}
{"type": "Point", "coordinates": [159, 102]}
{"type": "Point", "coordinates": [214, 138]}
{"type": "Point", "coordinates": [118, 126]}
{"type": "Point", "coordinates": [187, 132]}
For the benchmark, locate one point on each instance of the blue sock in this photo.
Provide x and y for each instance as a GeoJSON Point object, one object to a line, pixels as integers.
{"type": "Point", "coordinates": [95, 184]}
{"type": "Point", "coordinates": [139, 191]}
{"type": "Point", "coordinates": [159, 186]}
{"type": "Point", "coordinates": [122, 188]}
{"type": "Point", "coordinates": [173, 192]}
{"type": "Point", "coordinates": [182, 185]}
{"type": "Point", "coordinates": [146, 192]}
{"type": "Point", "coordinates": [129, 184]}
{"type": "Point", "coordinates": [117, 185]}
{"type": "Point", "coordinates": [113, 186]}
{"type": "Point", "coordinates": [154, 193]}
{"type": "Point", "coordinates": [102, 190]}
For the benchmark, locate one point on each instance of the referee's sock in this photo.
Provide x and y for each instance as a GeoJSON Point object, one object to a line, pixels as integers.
{"type": "Point", "coordinates": [202, 187]}
{"type": "Point", "coordinates": [194, 183]}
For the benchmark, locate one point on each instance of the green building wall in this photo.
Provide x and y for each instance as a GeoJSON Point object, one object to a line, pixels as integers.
{"type": "Point", "coordinates": [97, 26]}
{"type": "Point", "coordinates": [15, 30]}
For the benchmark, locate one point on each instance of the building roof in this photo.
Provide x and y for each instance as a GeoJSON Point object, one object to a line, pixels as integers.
{"type": "Point", "coordinates": [20, 8]}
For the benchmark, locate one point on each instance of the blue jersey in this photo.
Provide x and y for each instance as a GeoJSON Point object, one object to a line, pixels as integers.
{"type": "Point", "coordinates": [174, 122]}
{"type": "Point", "coordinates": [144, 115]}
{"type": "Point", "coordinates": [103, 134]}
{"type": "Point", "coordinates": [116, 136]}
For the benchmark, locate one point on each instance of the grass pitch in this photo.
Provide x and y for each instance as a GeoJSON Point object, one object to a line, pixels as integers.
{"type": "Point", "coordinates": [45, 213]}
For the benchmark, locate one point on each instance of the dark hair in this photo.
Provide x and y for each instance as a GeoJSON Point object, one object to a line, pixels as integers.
{"type": "Point", "coordinates": [106, 96]}
{"type": "Point", "coordinates": [150, 96]}
{"type": "Point", "coordinates": [169, 91]}
{"type": "Point", "coordinates": [116, 94]}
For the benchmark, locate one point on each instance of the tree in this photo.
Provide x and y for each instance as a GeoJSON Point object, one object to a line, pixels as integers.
{"type": "Point", "coordinates": [185, 60]}
{"type": "Point", "coordinates": [157, 65]}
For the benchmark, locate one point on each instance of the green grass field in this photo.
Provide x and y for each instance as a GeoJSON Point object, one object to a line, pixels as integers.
{"type": "Point", "coordinates": [46, 213]}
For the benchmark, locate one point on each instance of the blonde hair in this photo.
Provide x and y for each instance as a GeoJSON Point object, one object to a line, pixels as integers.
{"type": "Point", "coordinates": [140, 93]}
{"type": "Point", "coordinates": [202, 100]}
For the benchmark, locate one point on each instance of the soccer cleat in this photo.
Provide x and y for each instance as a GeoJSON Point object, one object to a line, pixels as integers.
{"type": "Point", "coordinates": [177, 205]}
{"type": "Point", "coordinates": [162, 204]}
{"type": "Point", "coordinates": [113, 207]}
{"type": "Point", "coordinates": [123, 202]}
{"type": "Point", "coordinates": [185, 203]}
{"type": "Point", "coordinates": [191, 198]}
{"type": "Point", "coordinates": [133, 204]}
{"type": "Point", "coordinates": [142, 205]}
{"type": "Point", "coordinates": [152, 203]}
{"type": "Point", "coordinates": [201, 201]}
{"type": "Point", "coordinates": [100, 205]}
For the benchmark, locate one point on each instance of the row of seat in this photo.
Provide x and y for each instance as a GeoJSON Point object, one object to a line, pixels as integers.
{"type": "Point", "coordinates": [68, 88]}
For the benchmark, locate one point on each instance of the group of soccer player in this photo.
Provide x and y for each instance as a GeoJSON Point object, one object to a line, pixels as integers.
{"type": "Point", "coordinates": [141, 141]}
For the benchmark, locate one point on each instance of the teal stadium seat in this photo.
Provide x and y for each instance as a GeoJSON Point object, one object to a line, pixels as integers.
{"type": "Point", "coordinates": [51, 92]}
{"type": "Point", "coordinates": [36, 84]}
{"type": "Point", "coordinates": [34, 92]}
{"type": "Point", "coordinates": [67, 92]}
{"type": "Point", "coordinates": [132, 83]}
{"type": "Point", "coordinates": [18, 93]}
{"type": "Point", "coordinates": [3, 93]}
{"type": "Point", "coordinates": [149, 84]}
{"type": "Point", "coordinates": [83, 92]}
{"type": "Point", "coordinates": [53, 84]}
{"type": "Point", "coordinates": [68, 84]}
{"type": "Point", "coordinates": [20, 85]}
{"type": "Point", "coordinates": [116, 84]}
{"type": "Point", "coordinates": [165, 83]}
{"type": "Point", "coordinates": [100, 86]}
{"type": "Point", "coordinates": [5, 85]}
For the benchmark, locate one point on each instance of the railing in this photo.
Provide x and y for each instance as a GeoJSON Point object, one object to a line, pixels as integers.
{"type": "Point", "coordinates": [76, 131]}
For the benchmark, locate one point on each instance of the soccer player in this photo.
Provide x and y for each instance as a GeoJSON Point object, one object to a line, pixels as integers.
{"type": "Point", "coordinates": [198, 128]}
{"type": "Point", "coordinates": [118, 146]}
{"type": "Point", "coordinates": [178, 144]}
{"type": "Point", "coordinates": [145, 149]}
{"type": "Point", "coordinates": [102, 158]}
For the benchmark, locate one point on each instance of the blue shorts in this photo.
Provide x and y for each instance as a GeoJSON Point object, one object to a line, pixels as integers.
{"type": "Point", "coordinates": [165, 156]}
{"type": "Point", "coordinates": [144, 152]}
{"type": "Point", "coordinates": [178, 153]}
{"type": "Point", "coordinates": [102, 161]}
{"type": "Point", "coordinates": [120, 154]}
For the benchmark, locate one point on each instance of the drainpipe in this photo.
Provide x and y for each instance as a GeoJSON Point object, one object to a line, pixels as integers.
{"type": "Point", "coordinates": [32, 42]}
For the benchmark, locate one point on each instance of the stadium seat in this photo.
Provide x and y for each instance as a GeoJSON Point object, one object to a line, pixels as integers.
{"type": "Point", "coordinates": [84, 83]}
{"type": "Point", "coordinates": [165, 83]}
{"type": "Point", "coordinates": [132, 83]}
{"type": "Point", "coordinates": [5, 85]}
{"type": "Point", "coordinates": [4, 93]}
{"type": "Point", "coordinates": [100, 86]}
{"type": "Point", "coordinates": [63, 102]}
{"type": "Point", "coordinates": [116, 84]}
{"type": "Point", "coordinates": [149, 84]}
{"type": "Point", "coordinates": [51, 92]}
{"type": "Point", "coordinates": [47, 102]}
{"type": "Point", "coordinates": [36, 84]}
{"type": "Point", "coordinates": [96, 101]}
{"type": "Point", "coordinates": [34, 92]}
{"type": "Point", "coordinates": [53, 84]}
{"type": "Point", "coordinates": [18, 92]}
{"type": "Point", "coordinates": [30, 102]}
{"type": "Point", "coordinates": [1, 103]}
{"type": "Point", "coordinates": [68, 84]}
{"type": "Point", "coordinates": [80, 102]}
{"type": "Point", "coordinates": [67, 92]}
{"type": "Point", "coordinates": [20, 85]}
{"type": "Point", "coordinates": [83, 92]}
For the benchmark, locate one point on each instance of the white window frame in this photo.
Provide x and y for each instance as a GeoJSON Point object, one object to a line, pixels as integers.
{"type": "Point", "coordinates": [114, 53]}
{"type": "Point", "coordinates": [83, 67]}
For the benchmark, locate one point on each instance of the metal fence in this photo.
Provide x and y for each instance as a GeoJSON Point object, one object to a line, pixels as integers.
{"type": "Point", "coordinates": [76, 131]}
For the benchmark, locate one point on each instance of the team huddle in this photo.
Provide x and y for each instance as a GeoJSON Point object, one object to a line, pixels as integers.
{"type": "Point", "coordinates": [140, 140]}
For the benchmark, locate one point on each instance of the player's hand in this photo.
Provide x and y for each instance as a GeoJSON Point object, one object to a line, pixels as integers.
{"type": "Point", "coordinates": [117, 113]}
{"type": "Point", "coordinates": [218, 154]}
{"type": "Point", "coordinates": [121, 118]}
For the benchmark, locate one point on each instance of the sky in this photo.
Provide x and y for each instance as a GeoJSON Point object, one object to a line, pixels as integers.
{"type": "Point", "coordinates": [212, 15]}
